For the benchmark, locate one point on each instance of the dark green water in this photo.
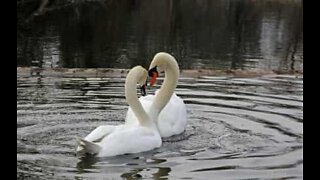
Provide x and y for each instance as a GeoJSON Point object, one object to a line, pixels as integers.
{"type": "Point", "coordinates": [218, 34]}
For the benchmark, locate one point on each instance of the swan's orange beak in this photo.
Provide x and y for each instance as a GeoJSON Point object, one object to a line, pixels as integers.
{"type": "Point", "coordinates": [153, 78]}
{"type": "Point", "coordinates": [153, 73]}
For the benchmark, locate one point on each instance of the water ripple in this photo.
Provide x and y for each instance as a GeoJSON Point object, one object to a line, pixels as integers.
{"type": "Point", "coordinates": [237, 128]}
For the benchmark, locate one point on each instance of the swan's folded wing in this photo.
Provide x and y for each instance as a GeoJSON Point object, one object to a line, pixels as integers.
{"type": "Point", "coordinates": [173, 118]}
{"type": "Point", "coordinates": [88, 147]}
{"type": "Point", "coordinates": [130, 139]}
{"type": "Point", "coordinates": [99, 133]}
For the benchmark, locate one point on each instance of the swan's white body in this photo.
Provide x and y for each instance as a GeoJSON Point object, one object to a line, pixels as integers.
{"type": "Point", "coordinates": [172, 120]}
{"type": "Point", "coordinates": [128, 138]}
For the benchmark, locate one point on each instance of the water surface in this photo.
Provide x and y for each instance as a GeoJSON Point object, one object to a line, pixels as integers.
{"type": "Point", "coordinates": [238, 128]}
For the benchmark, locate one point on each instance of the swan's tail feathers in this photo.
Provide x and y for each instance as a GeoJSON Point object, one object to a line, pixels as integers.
{"type": "Point", "coordinates": [87, 146]}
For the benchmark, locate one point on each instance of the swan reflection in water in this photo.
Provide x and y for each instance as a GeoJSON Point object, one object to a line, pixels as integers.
{"type": "Point", "coordinates": [134, 166]}
{"type": "Point", "coordinates": [162, 172]}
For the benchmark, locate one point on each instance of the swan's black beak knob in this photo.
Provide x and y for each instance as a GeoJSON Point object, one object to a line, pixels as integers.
{"type": "Point", "coordinates": [143, 90]}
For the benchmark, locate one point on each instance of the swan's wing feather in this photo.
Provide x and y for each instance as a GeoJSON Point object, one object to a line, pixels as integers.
{"type": "Point", "coordinates": [130, 139]}
{"type": "Point", "coordinates": [88, 147]}
{"type": "Point", "coordinates": [99, 133]}
{"type": "Point", "coordinates": [173, 118]}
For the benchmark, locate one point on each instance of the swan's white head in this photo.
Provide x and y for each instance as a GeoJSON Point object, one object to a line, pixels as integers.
{"type": "Point", "coordinates": [142, 81]}
{"type": "Point", "coordinates": [167, 63]}
{"type": "Point", "coordinates": [137, 75]}
{"type": "Point", "coordinates": [161, 62]}
{"type": "Point", "coordinates": [142, 75]}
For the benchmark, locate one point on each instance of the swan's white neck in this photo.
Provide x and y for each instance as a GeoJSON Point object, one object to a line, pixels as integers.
{"type": "Point", "coordinates": [171, 70]}
{"type": "Point", "coordinates": [132, 98]}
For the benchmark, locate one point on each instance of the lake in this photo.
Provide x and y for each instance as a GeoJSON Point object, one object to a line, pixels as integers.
{"type": "Point", "coordinates": [245, 119]}
{"type": "Point", "coordinates": [238, 127]}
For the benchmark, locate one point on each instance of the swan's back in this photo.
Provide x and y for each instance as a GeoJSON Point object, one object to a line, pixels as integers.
{"type": "Point", "coordinates": [130, 139]}
{"type": "Point", "coordinates": [173, 118]}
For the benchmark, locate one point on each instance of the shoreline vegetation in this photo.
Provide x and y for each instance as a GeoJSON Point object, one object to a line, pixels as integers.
{"type": "Point", "coordinates": [105, 72]}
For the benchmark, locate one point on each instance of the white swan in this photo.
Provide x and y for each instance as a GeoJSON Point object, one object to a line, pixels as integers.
{"type": "Point", "coordinates": [116, 140]}
{"type": "Point", "coordinates": [172, 120]}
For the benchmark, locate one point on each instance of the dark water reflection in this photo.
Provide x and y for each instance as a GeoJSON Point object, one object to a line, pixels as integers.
{"type": "Point", "coordinates": [132, 166]}
{"type": "Point", "coordinates": [199, 33]}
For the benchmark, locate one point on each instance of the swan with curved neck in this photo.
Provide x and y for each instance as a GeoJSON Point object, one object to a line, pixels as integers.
{"type": "Point", "coordinates": [165, 106]}
{"type": "Point", "coordinates": [137, 74]}
{"type": "Point", "coordinates": [122, 139]}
